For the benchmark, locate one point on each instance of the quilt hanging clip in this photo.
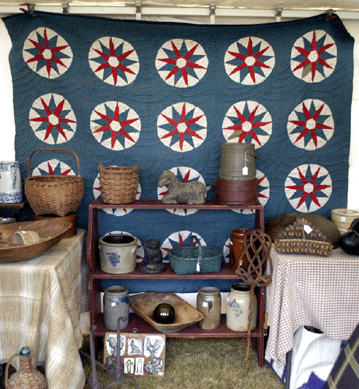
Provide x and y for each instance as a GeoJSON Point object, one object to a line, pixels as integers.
{"type": "Point", "coordinates": [65, 7]}
{"type": "Point", "coordinates": [212, 13]}
{"type": "Point", "coordinates": [138, 10]}
{"type": "Point", "coordinates": [330, 15]}
{"type": "Point", "coordinates": [30, 9]}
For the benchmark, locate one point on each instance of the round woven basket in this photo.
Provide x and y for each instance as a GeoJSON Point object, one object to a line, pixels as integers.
{"type": "Point", "coordinates": [54, 194]}
{"type": "Point", "coordinates": [118, 183]}
{"type": "Point", "coordinates": [199, 259]}
{"type": "Point", "coordinates": [343, 218]}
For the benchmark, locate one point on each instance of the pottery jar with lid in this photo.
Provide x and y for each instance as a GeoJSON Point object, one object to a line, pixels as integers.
{"type": "Point", "coordinates": [238, 308]}
{"type": "Point", "coordinates": [209, 303]}
{"type": "Point", "coordinates": [236, 249]}
{"type": "Point", "coordinates": [116, 303]}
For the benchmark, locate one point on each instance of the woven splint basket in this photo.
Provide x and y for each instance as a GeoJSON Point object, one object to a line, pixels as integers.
{"type": "Point", "coordinates": [195, 259]}
{"type": "Point", "coordinates": [296, 240]}
{"type": "Point", "coordinates": [118, 183]}
{"type": "Point", "coordinates": [54, 194]}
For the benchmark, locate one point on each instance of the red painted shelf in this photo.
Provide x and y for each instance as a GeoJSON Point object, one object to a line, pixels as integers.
{"type": "Point", "coordinates": [157, 204]}
{"type": "Point", "coordinates": [137, 324]}
{"type": "Point", "coordinates": [96, 275]}
{"type": "Point", "coordinates": [224, 273]}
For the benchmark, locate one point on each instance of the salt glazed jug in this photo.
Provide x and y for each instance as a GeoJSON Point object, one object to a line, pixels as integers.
{"type": "Point", "coordinates": [209, 303]}
{"type": "Point", "coordinates": [26, 377]}
{"type": "Point", "coordinates": [118, 253]}
{"type": "Point", "coordinates": [116, 304]}
{"type": "Point", "coordinates": [238, 308]}
{"type": "Point", "coordinates": [10, 182]}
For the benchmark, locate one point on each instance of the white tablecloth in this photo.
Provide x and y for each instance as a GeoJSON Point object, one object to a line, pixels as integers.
{"type": "Point", "coordinates": [318, 291]}
{"type": "Point", "coordinates": [40, 307]}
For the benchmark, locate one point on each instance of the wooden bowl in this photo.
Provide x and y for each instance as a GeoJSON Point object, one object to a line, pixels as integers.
{"type": "Point", "coordinates": [185, 315]}
{"type": "Point", "coordinates": [50, 231]}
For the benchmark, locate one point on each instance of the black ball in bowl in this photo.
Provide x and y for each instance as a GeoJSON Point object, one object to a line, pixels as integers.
{"type": "Point", "coordinates": [164, 313]}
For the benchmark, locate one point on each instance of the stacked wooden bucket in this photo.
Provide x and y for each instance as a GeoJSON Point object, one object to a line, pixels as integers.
{"type": "Point", "coordinates": [237, 183]}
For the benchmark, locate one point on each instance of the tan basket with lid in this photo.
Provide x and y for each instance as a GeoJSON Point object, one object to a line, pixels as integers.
{"type": "Point", "coordinates": [54, 194]}
{"type": "Point", "coordinates": [118, 183]}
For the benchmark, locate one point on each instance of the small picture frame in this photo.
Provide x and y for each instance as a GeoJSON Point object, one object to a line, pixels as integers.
{"type": "Point", "coordinates": [141, 354]}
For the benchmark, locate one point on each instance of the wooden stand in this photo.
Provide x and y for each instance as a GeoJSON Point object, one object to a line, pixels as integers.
{"type": "Point", "coordinates": [96, 317]}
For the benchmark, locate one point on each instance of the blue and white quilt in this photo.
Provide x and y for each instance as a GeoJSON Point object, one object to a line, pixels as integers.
{"type": "Point", "coordinates": [167, 95]}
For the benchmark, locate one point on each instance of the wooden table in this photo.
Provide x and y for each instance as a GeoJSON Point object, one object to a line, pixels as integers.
{"type": "Point", "coordinates": [312, 290]}
{"type": "Point", "coordinates": [14, 209]}
{"type": "Point", "coordinates": [40, 308]}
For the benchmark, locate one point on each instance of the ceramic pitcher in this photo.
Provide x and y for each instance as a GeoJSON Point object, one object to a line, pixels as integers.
{"type": "Point", "coordinates": [10, 182]}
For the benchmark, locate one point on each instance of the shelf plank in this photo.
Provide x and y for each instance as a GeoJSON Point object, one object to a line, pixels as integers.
{"type": "Point", "coordinates": [157, 204]}
{"type": "Point", "coordinates": [21, 205]}
{"type": "Point", "coordinates": [225, 273]}
{"type": "Point", "coordinates": [137, 324]}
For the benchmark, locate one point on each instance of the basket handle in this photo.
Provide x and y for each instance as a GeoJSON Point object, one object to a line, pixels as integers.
{"type": "Point", "coordinates": [198, 265]}
{"type": "Point", "coordinates": [7, 369]}
{"type": "Point", "coordinates": [194, 238]}
{"type": "Point", "coordinates": [44, 149]}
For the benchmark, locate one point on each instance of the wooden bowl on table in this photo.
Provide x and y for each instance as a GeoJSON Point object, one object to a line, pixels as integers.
{"type": "Point", "coordinates": [50, 231]}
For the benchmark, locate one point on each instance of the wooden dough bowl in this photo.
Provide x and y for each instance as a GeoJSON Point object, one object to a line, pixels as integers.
{"type": "Point", "coordinates": [50, 231]}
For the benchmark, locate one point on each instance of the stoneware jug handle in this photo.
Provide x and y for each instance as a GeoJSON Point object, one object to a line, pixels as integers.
{"type": "Point", "coordinates": [7, 369]}
{"type": "Point", "coordinates": [13, 175]}
{"type": "Point", "coordinates": [134, 248]}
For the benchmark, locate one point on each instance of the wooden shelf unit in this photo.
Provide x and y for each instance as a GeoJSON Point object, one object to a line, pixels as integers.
{"type": "Point", "coordinates": [96, 275]}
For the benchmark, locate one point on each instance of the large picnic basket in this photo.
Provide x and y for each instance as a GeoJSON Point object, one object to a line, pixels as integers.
{"type": "Point", "coordinates": [54, 194]}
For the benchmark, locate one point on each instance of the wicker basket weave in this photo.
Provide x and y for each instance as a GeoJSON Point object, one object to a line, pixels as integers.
{"type": "Point", "coordinates": [301, 238]}
{"type": "Point", "coordinates": [303, 246]}
{"type": "Point", "coordinates": [118, 183]}
{"type": "Point", "coordinates": [54, 194]}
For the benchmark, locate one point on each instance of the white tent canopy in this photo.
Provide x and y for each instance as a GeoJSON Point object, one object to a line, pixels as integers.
{"type": "Point", "coordinates": [212, 9]}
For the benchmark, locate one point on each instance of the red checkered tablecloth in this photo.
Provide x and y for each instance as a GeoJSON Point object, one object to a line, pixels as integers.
{"type": "Point", "coordinates": [311, 290]}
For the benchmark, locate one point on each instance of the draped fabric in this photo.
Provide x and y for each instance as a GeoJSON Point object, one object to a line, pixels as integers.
{"type": "Point", "coordinates": [167, 95]}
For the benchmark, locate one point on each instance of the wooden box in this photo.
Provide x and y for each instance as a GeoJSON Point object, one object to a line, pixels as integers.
{"type": "Point", "coordinates": [236, 192]}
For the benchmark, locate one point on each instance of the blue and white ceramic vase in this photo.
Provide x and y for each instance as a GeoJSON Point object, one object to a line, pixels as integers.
{"type": "Point", "coordinates": [10, 182]}
{"type": "Point", "coordinates": [116, 304]}
{"type": "Point", "coordinates": [238, 308]}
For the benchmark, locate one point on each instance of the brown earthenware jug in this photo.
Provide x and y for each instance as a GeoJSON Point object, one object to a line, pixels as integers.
{"type": "Point", "coordinates": [236, 249]}
{"type": "Point", "coordinates": [26, 377]}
